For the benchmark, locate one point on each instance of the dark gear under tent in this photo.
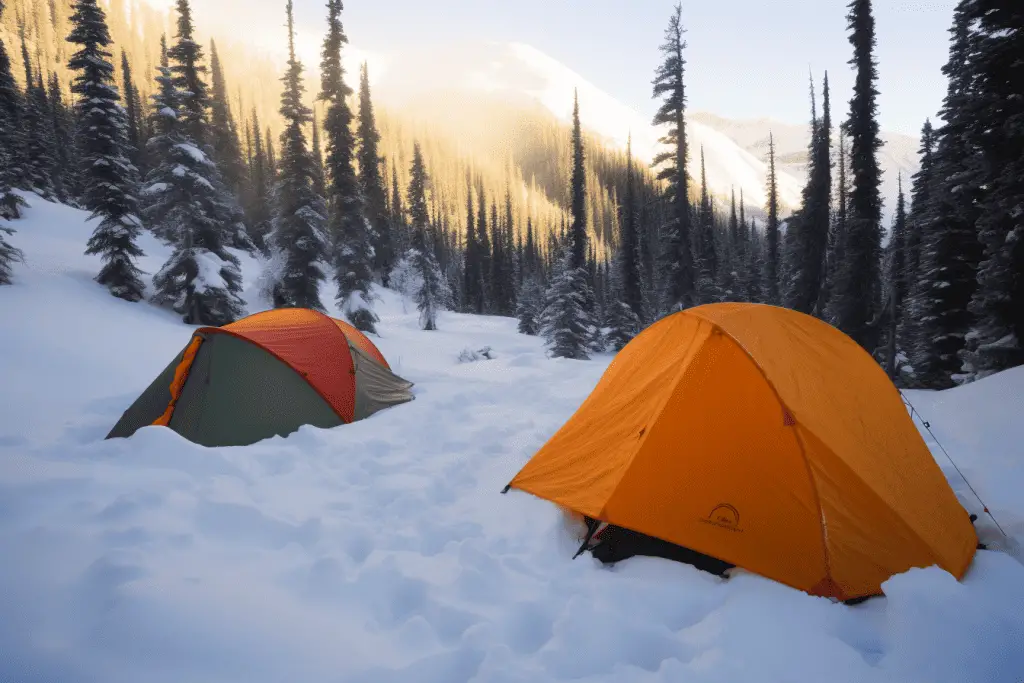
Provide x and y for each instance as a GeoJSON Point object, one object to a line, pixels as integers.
{"type": "Point", "coordinates": [266, 375]}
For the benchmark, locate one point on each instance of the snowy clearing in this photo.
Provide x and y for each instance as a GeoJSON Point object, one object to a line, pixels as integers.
{"type": "Point", "coordinates": [382, 550]}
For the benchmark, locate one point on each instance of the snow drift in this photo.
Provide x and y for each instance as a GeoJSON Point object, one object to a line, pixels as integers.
{"type": "Point", "coordinates": [382, 550]}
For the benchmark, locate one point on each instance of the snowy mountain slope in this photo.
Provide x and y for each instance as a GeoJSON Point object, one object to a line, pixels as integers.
{"type": "Point", "coordinates": [736, 151]}
{"type": "Point", "coordinates": [898, 154]}
{"type": "Point", "coordinates": [382, 550]}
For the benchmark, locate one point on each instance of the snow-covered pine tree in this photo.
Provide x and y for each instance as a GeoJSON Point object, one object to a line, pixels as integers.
{"type": "Point", "coordinates": [622, 321]}
{"type": "Point", "coordinates": [950, 250]}
{"type": "Point", "coordinates": [202, 279]}
{"type": "Point", "coordinates": [186, 60]}
{"type": "Point", "coordinates": [350, 232]}
{"type": "Point", "coordinates": [809, 228]}
{"type": "Point", "coordinates": [109, 179]}
{"type": "Point", "coordinates": [432, 295]}
{"type": "Point", "coordinates": [996, 339]}
{"type": "Point", "coordinates": [857, 293]}
{"type": "Point", "coordinates": [530, 298]}
{"type": "Point", "coordinates": [770, 277]}
{"type": "Point", "coordinates": [669, 85]}
{"type": "Point", "coordinates": [371, 181]}
{"type": "Point", "coordinates": [299, 240]}
{"type": "Point", "coordinates": [567, 322]}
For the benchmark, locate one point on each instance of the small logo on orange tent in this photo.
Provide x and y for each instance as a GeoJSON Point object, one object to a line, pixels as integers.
{"type": "Point", "coordinates": [724, 516]}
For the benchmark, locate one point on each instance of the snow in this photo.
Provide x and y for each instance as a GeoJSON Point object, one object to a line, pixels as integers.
{"type": "Point", "coordinates": [382, 550]}
{"type": "Point", "coordinates": [194, 152]}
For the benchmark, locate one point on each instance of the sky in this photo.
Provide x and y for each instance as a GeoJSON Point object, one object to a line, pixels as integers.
{"type": "Point", "coordinates": [746, 58]}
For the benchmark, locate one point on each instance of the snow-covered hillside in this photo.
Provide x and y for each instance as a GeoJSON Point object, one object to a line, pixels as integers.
{"type": "Point", "coordinates": [736, 151]}
{"type": "Point", "coordinates": [382, 550]}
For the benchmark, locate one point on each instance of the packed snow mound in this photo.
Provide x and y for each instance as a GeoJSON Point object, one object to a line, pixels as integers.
{"type": "Point", "coordinates": [382, 550]}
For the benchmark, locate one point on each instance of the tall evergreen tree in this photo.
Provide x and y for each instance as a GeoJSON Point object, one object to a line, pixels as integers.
{"type": "Point", "coordinates": [497, 275]}
{"type": "Point", "coordinates": [837, 232]}
{"type": "Point", "coordinates": [350, 231]}
{"type": "Point", "coordinates": [896, 280]}
{"type": "Point", "coordinates": [227, 150]}
{"type": "Point", "coordinates": [134, 115]}
{"type": "Point", "coordinates": [397, 223]}
{"type": "Point", "coordinates": [770, 282]}
{"type": "Point", "coordinates": [669, 85]}
{"type": "Point", "coordinates": [109, 177]}
{"type": "Point", "coordinates": [577, 190]}
{"type": "Point", "coordinates": [625, 304]}
{"type": "Point", "coordinates": [568, 324]}
{"type": "Point", "coordinates": [858, 285]}
{"type": "Point", "coordinates": [996, 339]}
{"type": "Point", "coordinates": [707, 249]}
{"type": "Point", "coordinates": [808, 230]}
{"type": "Point", "coordinates": [920, 205]}
{"type": "Point", "coordinates": [38, 150]}
{"type": "Point", "coordinates": [186, 57]}
{"type": "Point", "coordinates": [65, 174]}
{"type": "Point", "coordinates": [629, 241]}
{"type": "Point", "coordinates": [432, 295]}
{"type": "Point", "coordinates": [10, 203]}
{"type": "Point", "coordinates": [300, 237]}
{"type": "Point", "coordinates": [316, 149]}
{"type": "Point", "coordinates": [372, 182]}
{"type": "Point", "coordinates": [259, 203]}
{"type": "Point", "coordinates": [950, 250]}
{"type": "Point", "coordinates": [487, 284]}
{"type": "Point", "coordinates": [201, 280]}
{"type": "Point", "coordinates": [920, 200]}
{"type": "Point", "coordinates": [473, 286]}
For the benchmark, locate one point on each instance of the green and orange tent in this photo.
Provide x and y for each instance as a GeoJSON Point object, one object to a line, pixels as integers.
{"type": "Point", "coordinates": [266, 375]}
{"type": "Point", "coordinates": [765, 438]}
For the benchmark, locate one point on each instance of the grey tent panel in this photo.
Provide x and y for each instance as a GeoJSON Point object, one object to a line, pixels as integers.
{"type": "Point", "coordinates": [377, 387]}
{"type": "Point", "coordinates": [238, 394]}
{"type": "Point", "coordinates": [151, 404]}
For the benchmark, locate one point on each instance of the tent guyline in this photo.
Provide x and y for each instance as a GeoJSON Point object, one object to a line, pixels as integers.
{"type": "Point", "coordinates": [928, 427]}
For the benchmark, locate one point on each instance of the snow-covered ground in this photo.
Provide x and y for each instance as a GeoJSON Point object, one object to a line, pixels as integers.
{"type": "Point", "coordinates": [382, 550]}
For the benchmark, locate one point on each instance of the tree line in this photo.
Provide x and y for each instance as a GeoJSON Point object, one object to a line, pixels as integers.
{"type": "Point", "coordinates": [941, 301]}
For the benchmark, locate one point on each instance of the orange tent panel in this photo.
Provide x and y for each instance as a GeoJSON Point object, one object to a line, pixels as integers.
{"type": "Point", "coordinates": [765, 438]}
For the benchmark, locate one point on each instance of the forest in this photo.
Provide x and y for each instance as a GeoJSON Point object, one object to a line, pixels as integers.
{"type": "Point", "coordinates": [121, 110]}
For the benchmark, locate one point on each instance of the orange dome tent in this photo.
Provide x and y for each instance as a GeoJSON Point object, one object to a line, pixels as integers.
{"type": "Point", "coordinates": [765, 438]}
{"type": "Point", "coordinates": [265, 375]}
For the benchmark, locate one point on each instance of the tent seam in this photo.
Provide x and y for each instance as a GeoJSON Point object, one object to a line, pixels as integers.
{"type": "Point", "coordinates": [796, 434]}
{"type": "Point", "coordinates": [655, 415]}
